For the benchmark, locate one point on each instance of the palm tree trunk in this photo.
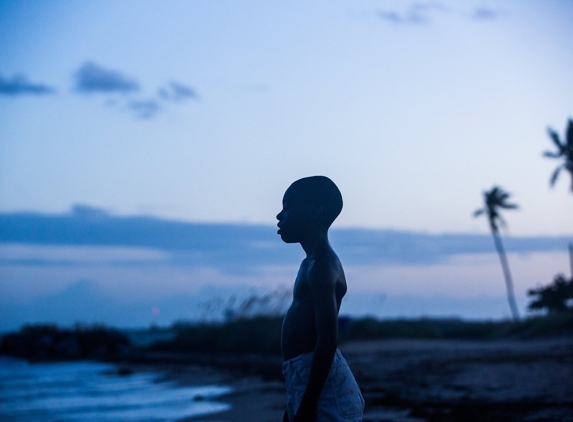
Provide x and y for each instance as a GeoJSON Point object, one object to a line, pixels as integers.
{"type": "Point", "coordinates": [571, 258]}
{"type": "Point", "coordinates": [507, 275]}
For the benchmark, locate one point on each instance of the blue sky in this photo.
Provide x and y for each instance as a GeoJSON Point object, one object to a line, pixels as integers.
{"type": "Point", "coordinates": [412, 108]}
{"type": "Point", "coordinates": [207, 111]}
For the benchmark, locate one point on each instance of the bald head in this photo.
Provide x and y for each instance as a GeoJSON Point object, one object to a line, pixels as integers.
{"type": "Point", "coordinates": [320, 190]}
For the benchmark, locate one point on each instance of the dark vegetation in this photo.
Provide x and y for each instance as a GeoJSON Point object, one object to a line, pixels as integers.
{"type": "Point", "coordinates": [50, 343]}
{"type": "Point", "coordinates": [251, 325]}
{"type": "Point", "coordinates": [456, 329]}
{"type": "Point", "coordinates": [556, 298]}
{"type": "Point", "coordinates": [262, 334]}
{"type": "Point", "coordinates": [564, 152]}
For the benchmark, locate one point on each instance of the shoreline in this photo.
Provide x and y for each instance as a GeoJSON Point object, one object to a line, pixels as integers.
{"type": "Point", "coordinates": [404, 380]}
{"type": "Point", "coordinates": [253, 397]}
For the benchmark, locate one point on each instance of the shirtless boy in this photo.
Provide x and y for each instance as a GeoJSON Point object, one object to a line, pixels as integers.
{"type": "Point", "coordinates": [320, 385]}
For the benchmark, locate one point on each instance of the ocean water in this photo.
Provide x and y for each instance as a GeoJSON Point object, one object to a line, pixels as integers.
{"type": "Point", "coordinates": [89, 391]}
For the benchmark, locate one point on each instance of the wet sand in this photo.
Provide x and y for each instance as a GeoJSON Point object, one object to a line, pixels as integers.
{"type": "Point", "coordinates": [412, 381]}
{"type": "Point", "coordinates": [439, 380]}
{"type": "Point", "coordinates": [257, 394]}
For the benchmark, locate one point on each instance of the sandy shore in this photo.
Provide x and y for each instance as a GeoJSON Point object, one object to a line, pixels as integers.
{"type": "Point", "coordinates": [411, 381]}
{"type": "Point", "coordinates": [439, 380]}
{"type": "Point", "coordinates": [255, 395]}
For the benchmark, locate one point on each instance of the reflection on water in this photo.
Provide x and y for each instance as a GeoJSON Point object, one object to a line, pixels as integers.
{"type": "Point", "coordinates": [83, 391]}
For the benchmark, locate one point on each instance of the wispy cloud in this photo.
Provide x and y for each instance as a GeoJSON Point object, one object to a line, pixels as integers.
{"type": "Point", "coordinates": [145, 109]}
{"type": "Point", "coordinates": [483, 13]}
{"type": "Point", "coordinates": [244, 248]}
{"type": "Point", "coordinates": [93, 78]}
{"type": "Point", "coordinates": [423, 13]}
{"type": "Point", "coordinates": [177, 92]}
{"type": "Point", "coordinates": [416, 13]}
{"type": "Point", "coordinates": [20, 85]}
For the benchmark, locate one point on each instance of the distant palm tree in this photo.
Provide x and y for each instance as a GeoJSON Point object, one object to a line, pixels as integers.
{"type": "Point", "coordinates": [564, 151]}
{"type": "Point", "coordinates": [495, 199]}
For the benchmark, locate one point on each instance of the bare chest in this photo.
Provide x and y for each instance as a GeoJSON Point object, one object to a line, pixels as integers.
{"type": "Point", "coordinates": [301, 290]}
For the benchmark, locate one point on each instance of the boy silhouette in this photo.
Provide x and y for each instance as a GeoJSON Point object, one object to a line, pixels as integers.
{"type": "Point", "coordinates": [320, 385]}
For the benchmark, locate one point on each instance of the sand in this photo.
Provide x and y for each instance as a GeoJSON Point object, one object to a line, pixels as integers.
{"type": "Point", "coordinates": [253, 398]}
{"type": "Point", "coordinates": [465, 380]}
{"type": "Point", "coordinates": [412, 381]}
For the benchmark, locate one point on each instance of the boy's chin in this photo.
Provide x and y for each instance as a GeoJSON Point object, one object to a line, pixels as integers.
{"type": "Point", "coordinates": [288, 239]}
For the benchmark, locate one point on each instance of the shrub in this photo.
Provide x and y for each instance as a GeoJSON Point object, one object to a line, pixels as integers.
{"type": "Point", "coordinates": [556, 297]}
{"type": "Point", "coordinates": [48, 342]}
{"type": "Point", "coordinates": [261, 334]}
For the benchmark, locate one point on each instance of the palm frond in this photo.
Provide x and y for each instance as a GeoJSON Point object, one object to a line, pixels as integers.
{"type": "Point", "coordinates": [495, 199]}
{"type": "Point", "coordinates": [509, 206]}
{"type": "Point", "coordinates": [550, 154]}
{"type": "Point", "coordinates": [502, 197]}
{"type": "Point", "coordinates": [554, 176]}
{"type": "Point", "coordinates": [555, 138]}
{"type": "Point", "coordinates": [569, 134]}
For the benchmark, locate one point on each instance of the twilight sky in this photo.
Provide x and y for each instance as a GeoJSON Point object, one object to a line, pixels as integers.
{"type": "Point", "coordinates": [205, 112]}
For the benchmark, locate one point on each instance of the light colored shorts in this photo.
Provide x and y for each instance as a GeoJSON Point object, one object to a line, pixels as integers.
{"type": "Point", "coordinates": [340, 399]}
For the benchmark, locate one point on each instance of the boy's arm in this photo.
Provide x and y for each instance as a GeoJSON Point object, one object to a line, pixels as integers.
{"type": "Point", "coordinates": [322, 281]}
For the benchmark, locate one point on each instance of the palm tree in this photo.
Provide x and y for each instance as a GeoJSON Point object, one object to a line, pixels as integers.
{"type": "Point", "coordinates": [496, 199]}
{"type": "Point", "coordinates": [564, 151]}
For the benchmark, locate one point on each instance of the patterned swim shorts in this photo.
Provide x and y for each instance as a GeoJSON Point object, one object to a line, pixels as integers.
{"type": "Point", "coordinates": [340, 399]}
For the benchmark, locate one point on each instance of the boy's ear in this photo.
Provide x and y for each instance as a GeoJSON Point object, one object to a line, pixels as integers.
{"type": "Point", "coordinates": [316, 212]}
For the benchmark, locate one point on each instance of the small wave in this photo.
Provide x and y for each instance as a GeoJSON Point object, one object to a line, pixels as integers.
{"type": "Point", "coordinates": [85, 391]}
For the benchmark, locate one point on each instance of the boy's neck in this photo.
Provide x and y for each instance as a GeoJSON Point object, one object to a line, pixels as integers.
{"type": "Point", "coordinates": [315, 244]}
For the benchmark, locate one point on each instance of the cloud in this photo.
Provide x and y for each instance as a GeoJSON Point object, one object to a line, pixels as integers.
{"type": "Point", "coordinates": [145, 109]}
{"type": "Point", "coordinates": [390, 16]}
{"type": "Point", "coordinates": [20, 85]}
{"type": "Point", "coordinates": [482, 13]}
{"type": "Point", "coordinates": [92, 78]}
{"type": "Point", "coordinates": [177, 92]}
{"type": "Point", "coordinates": [245, 248]}
{"type": "Point", "coordinates": [416, 13]}
{"type": "Point", "coordinates": [82, 211]}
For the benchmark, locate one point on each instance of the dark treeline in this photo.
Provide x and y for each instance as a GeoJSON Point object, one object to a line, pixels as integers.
{"type": "Point", "coordinates": [261, 335]}
{"type": "Point", "coordinates": [50, 343]}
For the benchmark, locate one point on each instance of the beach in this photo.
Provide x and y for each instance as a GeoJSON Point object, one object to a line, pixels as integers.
{"type": "Point", "coordinates": [85, 390]}
{"type": "Point", "coordinates": [410, 381]}
{"type": "Point", "coordinates": [402, 380]}
{"type": "Point", "coordinates": [256, 394]}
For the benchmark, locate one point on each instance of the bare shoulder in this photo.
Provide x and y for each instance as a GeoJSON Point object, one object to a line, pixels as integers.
{"type": "Point", "coordinates": [326, 270]}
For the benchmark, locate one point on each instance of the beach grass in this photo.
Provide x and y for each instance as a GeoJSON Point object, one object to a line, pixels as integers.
{"type": "Point", "coordinates": [261, 334]}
